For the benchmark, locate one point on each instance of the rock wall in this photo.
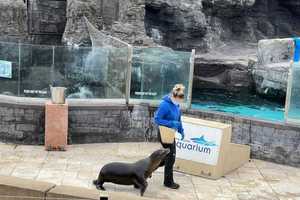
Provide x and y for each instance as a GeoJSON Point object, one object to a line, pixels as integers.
{"type": "Point", "coordinates": [76, 30]}
{"type": "Point", "coordinates": [177, 24]}
{"type": "Point", "coordinates": [33, 21]}
{"type": "Point", "coordinates": [207, 24]}
{"type": "Point", "coordinates": [180, 24]}
{"type": "Point", "coordinates": [13, 20]}
{"type": "Point", "coordinates": [46, 21]}
{"type": "Point", "coordinates": [121, 19]}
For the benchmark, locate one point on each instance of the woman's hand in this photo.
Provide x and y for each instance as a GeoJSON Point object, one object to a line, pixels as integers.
{"type": "Point", "coordinates": [178, 127]}
{"type": "Point", "coordinates": [181, 131]}
{"type": "Point", "coordinates": [182, 135]}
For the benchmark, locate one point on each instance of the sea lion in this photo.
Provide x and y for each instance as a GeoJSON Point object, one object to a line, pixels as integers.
{"type": "Point", "coordinates": [131, 173]}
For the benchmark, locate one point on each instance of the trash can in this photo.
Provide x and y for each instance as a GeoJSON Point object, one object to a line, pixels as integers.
{"type": "Point", "coordinates": [58, 95]}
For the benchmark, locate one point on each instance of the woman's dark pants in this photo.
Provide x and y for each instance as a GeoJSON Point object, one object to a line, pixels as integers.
{"type": "Point", "coordinates": [169, 161]}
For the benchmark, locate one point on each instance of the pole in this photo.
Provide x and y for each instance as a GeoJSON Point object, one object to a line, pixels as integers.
{"type": "Point", "coordinates": [128, 75]}
{"type": "Point", "coordinates": [19, 70]}
{"type": "Point", "coordinates": [191, 77]}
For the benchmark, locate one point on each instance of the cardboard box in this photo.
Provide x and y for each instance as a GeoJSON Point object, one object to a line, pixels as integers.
{"type": "Point", "coordinates": [207, 150]}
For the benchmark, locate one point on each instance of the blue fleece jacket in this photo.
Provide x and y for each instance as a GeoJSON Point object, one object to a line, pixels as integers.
{"type": "Point", "coordinates": [168, 114]}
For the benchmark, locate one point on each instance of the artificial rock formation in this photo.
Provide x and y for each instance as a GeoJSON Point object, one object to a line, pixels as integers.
{"type": "Point", "coordinates": [46, 21]}
{"type": "Point", "coordinates": [13, 18]}
{"type": "Point", "coordinates": [208, 24]}
{"type": "Point", "coordinates": [177, 24]}
{"type": "Point", "coordinates": [192, 24]}
{"type": "Point", "coordinates": [32, 21]}
{"type": "Point", "coordinates": [76, 29]}
{"type": "Point", "coordinates": [121, 19]}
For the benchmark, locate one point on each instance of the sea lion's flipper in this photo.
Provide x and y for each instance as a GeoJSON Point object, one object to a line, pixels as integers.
{"type": "Point", "coordinates": [95, 182]}
{"type": "Point", "coordinates": [142, 183]}
{"type": "Point", "coordinates": [137, 184]}
{"type": "Point", "coordinates": [99, 183]}
{"type": "Point", "coordinates": [143, 189]}
{"type": "Point", "coordinates": [162, 163]}
{"type": "Point", "coordinates": [100, 187]}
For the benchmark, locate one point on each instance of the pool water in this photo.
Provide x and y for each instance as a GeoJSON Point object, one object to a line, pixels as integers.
{"type": "Point", "coordinates": [245, 105]}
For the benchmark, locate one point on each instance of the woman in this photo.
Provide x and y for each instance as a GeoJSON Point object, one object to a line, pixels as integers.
{"type": "Point", "coordinates": [168, 114]}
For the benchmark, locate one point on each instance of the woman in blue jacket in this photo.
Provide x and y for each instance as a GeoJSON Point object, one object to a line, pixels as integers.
{"type": "Point", "coordinates": [168, 114]}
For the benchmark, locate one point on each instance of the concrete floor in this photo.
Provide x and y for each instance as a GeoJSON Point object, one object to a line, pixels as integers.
{"type": "Point", "coordinates": [79, 165]}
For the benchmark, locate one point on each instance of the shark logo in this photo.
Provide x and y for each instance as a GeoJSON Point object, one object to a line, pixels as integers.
{"type": "Point", "coordinates": [203, 141]}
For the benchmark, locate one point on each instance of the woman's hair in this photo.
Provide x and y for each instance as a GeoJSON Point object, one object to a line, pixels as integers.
{"type": "Point", "coordinates": [178, 91]}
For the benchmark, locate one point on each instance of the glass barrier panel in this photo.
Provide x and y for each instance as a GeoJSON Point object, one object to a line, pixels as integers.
{"type": "Point", "coordinates": [36, 70]}
{"type": "Point", "coordinates": [156, 70]}
{"type": "Point", "coordinates": [91, 72]}
{"type": "Point", "coordinates": [293, 109]}
{"type": "Point", "coordinates": [9, 68]}
{"type": "Point", "coordinates": [117, 72]}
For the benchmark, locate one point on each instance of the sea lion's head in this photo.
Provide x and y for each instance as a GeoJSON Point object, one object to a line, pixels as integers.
{"type": "Point", "coordinates": [159, 155]}
{"type": "Point", "coordinates": [156, 158]}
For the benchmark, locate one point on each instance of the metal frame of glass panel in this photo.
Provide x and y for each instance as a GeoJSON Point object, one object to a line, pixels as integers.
{"type": "Point", "coordinates": [292, 102]}
{"type": "Point", "coordinates": [288, 94]}
{"type": "Point", "coordinates": [191, 78]}
{"type": "Point", "coordinates": [128, 75]}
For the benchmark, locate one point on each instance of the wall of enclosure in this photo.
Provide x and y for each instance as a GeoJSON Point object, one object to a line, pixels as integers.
{"type": "Point", "coordinates": [22, 122]}
{"type": "Point", "coordinates": [106, 73]}
{"type": "Point", "coordinates": [121, 75]}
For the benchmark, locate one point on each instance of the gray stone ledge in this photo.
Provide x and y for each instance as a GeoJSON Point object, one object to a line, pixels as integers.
{"type": "Point", "coordinates": [28, 101]}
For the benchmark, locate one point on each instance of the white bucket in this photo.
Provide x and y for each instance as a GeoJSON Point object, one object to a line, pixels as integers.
{"type": "Point", "coordinates": [58, 95]}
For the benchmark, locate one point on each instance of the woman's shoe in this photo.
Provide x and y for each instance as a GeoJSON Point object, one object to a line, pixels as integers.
{"type": "Point", "coordinates": [174, 186]}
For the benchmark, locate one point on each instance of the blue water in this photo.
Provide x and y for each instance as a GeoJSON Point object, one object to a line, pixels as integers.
{"type": "Point", "coordinates": [240, 105]}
